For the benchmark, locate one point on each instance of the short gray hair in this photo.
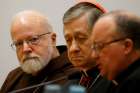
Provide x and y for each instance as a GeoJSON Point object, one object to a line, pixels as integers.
{"type": "Point", "coordinates": [80, 9]}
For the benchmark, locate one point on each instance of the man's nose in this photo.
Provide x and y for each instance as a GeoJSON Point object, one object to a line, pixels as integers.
{"type": "Point", "coordinates": [26, 47]}
{"type": "Point", "coordinates": [74, 46]}
{"type": "Point", "coordinates": [94, 54]}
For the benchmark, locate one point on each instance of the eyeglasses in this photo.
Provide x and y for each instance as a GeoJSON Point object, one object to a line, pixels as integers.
{"type": "Point", "coordinates": [31, 41]}
{"type": "Point", "coordinates": [97, 47]}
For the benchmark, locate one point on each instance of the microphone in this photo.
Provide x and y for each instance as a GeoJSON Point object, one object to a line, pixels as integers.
{"type": "Point", "coordinates": [74, 75]}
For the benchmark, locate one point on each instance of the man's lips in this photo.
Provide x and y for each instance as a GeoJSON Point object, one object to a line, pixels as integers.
{"type": "Point", "coordinates": [77, 58]}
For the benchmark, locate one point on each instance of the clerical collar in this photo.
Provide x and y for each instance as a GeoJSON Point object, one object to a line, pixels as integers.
{"type": "Point", "coordinates": [115, 82]}
{"type": "Point", "coordinates": [91, 73]}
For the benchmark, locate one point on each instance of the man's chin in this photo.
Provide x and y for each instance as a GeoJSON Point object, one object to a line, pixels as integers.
{"type": "Point", "coordinates": [80, 67]}
{"type": "Point", "coordinates": [30, 70]}
{"type": "Point", "coordinates": [31, 67]}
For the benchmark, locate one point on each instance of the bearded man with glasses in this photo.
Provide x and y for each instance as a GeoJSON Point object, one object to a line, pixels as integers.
{"type": "Point", "coordinates": [116, 49]}
{"type": "Point", "coordinates": [40, 60]}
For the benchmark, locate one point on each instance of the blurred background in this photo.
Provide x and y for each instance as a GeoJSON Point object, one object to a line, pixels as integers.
{"type": "Point", "coordinates": [54, 10]}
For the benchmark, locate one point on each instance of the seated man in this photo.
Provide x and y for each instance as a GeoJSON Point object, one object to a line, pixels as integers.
{"type": "Point", "coordinates": [40, 60]}
{"type": "Point", "coordinates": [78, 23]}
{"type": "Point", "coordinates": [116, 49]}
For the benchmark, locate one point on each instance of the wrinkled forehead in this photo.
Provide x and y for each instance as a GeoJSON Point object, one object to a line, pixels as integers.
{"type": "Point", "coordinates": [78, 31]}
{"type": "Point", "coordinates": [28, 21]}
{"type": "Point", "coordinates": [77, 27]}
{"type": "Point", "coordinates": [21, 32]}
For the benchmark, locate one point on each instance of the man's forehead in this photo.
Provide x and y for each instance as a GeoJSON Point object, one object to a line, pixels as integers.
{"type": "Point", "coordinates": [76, 32]}
{"type": "Point", "coordinates": [106, 21]}
{"type": "Point", "coordinates": [104, 28]}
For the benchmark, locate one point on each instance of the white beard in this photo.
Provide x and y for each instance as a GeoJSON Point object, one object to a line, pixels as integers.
{"type": "Point", "coordinates": [35, 63]}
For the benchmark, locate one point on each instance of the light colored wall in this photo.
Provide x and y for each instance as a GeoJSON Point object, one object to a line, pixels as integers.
{"type": "Point", "coordinates": [54, 9]}
{"type": "Point", "coordinates": [130, 5]}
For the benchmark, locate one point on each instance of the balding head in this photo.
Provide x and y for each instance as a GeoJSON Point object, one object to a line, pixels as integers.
{"type": "Point", "coordinates": [127, 24]}
{"type": "Point", "coordinates": [34, 18]}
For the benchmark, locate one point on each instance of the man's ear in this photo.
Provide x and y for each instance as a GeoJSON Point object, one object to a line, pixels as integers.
{"type": "Point", "coordinates": [53, 38]}
{"type": "Point", "coordinates": [129, 45]}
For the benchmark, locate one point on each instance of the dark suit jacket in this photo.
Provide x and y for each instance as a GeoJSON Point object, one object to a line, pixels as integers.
{"type": "Point", "coordinates": [58, 67]}
{"type": "Point", "coordinates": [128, 81]}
